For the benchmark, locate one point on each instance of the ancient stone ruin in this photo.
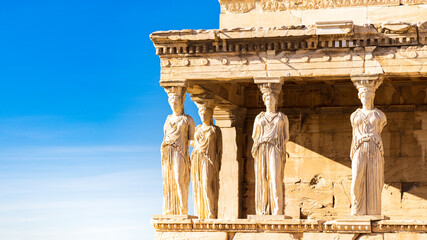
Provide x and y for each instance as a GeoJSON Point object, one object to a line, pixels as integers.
{"type": "Point", "coordinates": [320, 127]}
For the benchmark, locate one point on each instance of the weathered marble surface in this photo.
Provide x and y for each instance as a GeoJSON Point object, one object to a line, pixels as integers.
{"type": "Point", "coordinates": [178, 130]}
{"type": "Point", "coordinates": [315, 60]}
{"type": "Point", "coordinates": [243, 6]}
{"type": "Point", "coordinates": [205, 163]}
{"type": "Point", "coordinates": [267, 13]}
{"type": "Point", "coordinates": [367, 150]}
{"type": "Point", "coordinates": [270, 134]}
{"type": "Point", "coordinates": [298, 53]}
{"type": "Point", "coordinates": [318, 167]}
{"type": "Point", "coordinates": [290, 229]}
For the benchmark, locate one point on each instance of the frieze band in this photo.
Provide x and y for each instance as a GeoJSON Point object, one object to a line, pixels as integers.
{"type": "Point", "coordinates": [233, 6]}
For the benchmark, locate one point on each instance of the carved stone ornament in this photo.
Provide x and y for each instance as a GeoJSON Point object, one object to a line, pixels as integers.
{"type": "Point", "coordinates": [394, 27]}
{"type": "Point", "coordinates": [270, 134]}
{"type": "Point", "coordinates": [243, 6]}
{"type": "Point", "coordinates": [205, 162]}
{"type": "Point", "coordinates": [178, 130]}
{"type": "Point", "coordinates": [205, 62]}
{"type": "Point", "coordinates": [166, 63]}
{"type": "Point", "coordinates": [367, 151]}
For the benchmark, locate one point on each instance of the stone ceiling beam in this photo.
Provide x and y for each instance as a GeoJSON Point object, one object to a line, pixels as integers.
{"type": "Point", "coordinates": [231, 94]}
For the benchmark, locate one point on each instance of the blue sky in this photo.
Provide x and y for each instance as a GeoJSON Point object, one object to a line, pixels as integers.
{"type": "Point", "coordinates": [82, 114]}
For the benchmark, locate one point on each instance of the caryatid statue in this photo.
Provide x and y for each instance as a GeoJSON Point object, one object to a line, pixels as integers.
{"type": "Point", "coordinates": [270, 134]}
{"type": "Point", "coordinates": [205, 162]}
{"type": "Point", "coordinates": [367, 151]}
{"type": "Point", "coordinates": [178, 130]}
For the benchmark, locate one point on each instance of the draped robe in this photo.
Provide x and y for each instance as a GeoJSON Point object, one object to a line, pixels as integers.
{"type": "Point", "coordinates": [367, 155]}
{"type": "Point", "coordinates": [178, 131]}
{"type": "Point", "coordinates": [270, 135]}
{"type": "Point", "coordinates": [205, 164]}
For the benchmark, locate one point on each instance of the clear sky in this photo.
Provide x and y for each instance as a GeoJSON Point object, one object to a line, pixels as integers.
{"type": "Point", "coordinates": [82, 114]}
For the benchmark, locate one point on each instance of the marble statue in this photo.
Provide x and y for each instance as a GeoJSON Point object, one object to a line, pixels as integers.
{"type": "Point", "coordinates": [178, 130]}
{"type": "Point", "coordinates": [270, 134]}
{"type": "Point", "coordinates": [205, 163]}
{"type": "Point", "coordinates": [367, 152]}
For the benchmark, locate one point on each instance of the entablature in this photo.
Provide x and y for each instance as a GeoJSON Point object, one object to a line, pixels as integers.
{"type": "Point", "coordinates": [299, 66]}
{"type": "Point", "coordinates": [299, 52]}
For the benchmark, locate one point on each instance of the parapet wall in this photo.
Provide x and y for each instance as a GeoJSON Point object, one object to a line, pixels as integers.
{"type": "Point", "coordinates": [273, 13]}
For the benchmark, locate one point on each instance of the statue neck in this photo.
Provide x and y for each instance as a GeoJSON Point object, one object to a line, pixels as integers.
{"type": "Point", "coordinates": [368, 107]}
{"type": "Point", "coordinates": [271, 110]}
{"type": "Point", "coordinates": [207, 124]}
{"type": "Point", "coordinates": [178, 112]}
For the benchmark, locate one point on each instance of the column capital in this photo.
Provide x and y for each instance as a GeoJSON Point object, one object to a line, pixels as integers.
{"type": "Point", "coordinates": [367, 76]}
{"type": "Point", "coordinates": [269, 84]}
{"type": "Point", "coordinates": [206, 99]}
{"type": "Point", "coordinates": [173, 83]}
{"type": "Point", "coordinates": [363, 80]}
{"type": "Point", "coordinates": [263, 80]}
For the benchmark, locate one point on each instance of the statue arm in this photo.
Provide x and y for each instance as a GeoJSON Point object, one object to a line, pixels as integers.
{"type": "Point", "coordinates": [352, 136]}
{"type": "Point", "coordinates": [352, 116]}
{"type": "Point", "coordinates": [255, 131]}
{"type": "Point", "coordinates": [164, 129]}
{"type": "Point", "coordinates": [192, 140]}
{"type": "Point", "coordinates": [164, 126]}
{"type": "Point", "coordinates": [162, 147]}
{"type": "Point", "coordinates": [255, 136]}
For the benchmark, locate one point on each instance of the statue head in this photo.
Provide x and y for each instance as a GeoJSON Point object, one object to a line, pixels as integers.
{"type": "Point", "coordinates": [206, 108]}
{"type": "Point", "coordinates": [367, 87]}
{"type": "Point", "coordinates": [176, 97]}
{"type": "Point", "coordinates": [270, 99]}
{"type": "Point", "coordinates": [366, 96]}
{"type": "Point", "coordinates": [270, 94]}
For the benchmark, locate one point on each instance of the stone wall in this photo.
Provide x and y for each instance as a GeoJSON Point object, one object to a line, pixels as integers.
{"type": "Point", "coordinates": [244, 13]}
{"type": "Point", "coordinates": [318, 168]}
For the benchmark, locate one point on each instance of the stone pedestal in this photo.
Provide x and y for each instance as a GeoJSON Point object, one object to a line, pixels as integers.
{"type": "Point", "coordinates": [268, 217]}
{"type": "Point", "coordinates": [357, 224]}
{"type": "Point", "coordinates": [286, 229]}
{"type": "Point", "coordinates": [172, 217]}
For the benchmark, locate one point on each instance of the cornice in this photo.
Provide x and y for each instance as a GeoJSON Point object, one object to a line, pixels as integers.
{"type": "Point", "coordinates": [288, 38]}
